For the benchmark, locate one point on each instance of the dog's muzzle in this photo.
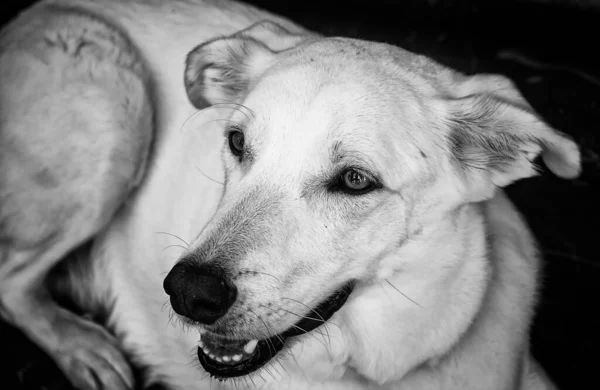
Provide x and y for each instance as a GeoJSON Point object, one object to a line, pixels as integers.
{"type": "Point", "coordinates": [227, 358]}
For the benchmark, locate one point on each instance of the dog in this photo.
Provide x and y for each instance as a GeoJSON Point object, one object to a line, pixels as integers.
{"type": "Point", "coordinates": [315, 212]}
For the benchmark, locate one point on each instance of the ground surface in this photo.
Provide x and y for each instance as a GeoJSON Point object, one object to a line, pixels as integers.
{"type": "Point", "coordinates": [553, 65]}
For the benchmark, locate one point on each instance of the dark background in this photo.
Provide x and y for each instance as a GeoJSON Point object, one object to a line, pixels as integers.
{"type": "Point", "coordinates": [548, 48]}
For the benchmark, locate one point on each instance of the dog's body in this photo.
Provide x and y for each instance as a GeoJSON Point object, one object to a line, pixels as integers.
{"type": "Point", "coordinates": [442, 268]}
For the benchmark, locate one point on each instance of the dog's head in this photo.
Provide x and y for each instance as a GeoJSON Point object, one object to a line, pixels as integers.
{"type": "Point", "coordinates": [337, 153]}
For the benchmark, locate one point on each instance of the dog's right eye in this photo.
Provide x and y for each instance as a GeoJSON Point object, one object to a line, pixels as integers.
{"type": "Point", "coordinates": [236, 142]}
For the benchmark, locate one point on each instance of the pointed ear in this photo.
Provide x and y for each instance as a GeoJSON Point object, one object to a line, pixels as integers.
{"type": "Point", "coordinates": [495, 135]}
{"type": "Point", "coordinates": [223, 68]}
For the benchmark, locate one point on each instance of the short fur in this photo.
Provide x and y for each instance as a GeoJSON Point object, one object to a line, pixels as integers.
{"type": "Point", "coordinates": [446, 269]}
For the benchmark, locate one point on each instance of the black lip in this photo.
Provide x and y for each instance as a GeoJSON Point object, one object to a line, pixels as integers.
{"type": "Point", "coordinates": [267, 349]}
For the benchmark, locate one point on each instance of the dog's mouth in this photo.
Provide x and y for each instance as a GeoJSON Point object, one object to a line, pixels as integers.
{"type": "Point", "coordinates": [233, 358]}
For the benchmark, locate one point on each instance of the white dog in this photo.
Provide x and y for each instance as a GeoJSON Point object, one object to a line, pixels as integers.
{"type": "Point", "coordinates": [334, 220]}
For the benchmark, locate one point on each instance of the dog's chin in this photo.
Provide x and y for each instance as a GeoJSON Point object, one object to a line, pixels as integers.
{"type": "Point", "coordinates": [226, 358]}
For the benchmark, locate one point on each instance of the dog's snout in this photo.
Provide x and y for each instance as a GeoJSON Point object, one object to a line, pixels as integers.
{"type": "Point", "coordinates": [199, 292]}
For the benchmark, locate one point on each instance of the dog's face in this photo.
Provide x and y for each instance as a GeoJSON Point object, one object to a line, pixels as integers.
{"type": "Point", "coordinates": [337, 152]}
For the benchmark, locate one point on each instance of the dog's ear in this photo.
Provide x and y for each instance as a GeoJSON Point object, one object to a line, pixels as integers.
{"type": "Point", "coordinates": [495, 135]}
{"type": "Point", "coordinates": [222, 69]}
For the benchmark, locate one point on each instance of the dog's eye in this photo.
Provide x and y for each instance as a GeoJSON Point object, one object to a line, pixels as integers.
{"type": "Point", "coordinates": [236, 142]}
{"type": "Point", "coordinates": [355, 182]}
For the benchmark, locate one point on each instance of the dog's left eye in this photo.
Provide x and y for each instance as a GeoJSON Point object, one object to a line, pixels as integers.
{"type": "Point", "coordinates": [355, 182]}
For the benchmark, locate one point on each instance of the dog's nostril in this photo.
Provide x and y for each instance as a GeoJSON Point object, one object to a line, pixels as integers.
{"type": "Point", "coordinates": [198, 292]}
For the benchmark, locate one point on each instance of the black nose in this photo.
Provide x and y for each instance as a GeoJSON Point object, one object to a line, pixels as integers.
{"type": "Point", "coordinates": [199, 292]}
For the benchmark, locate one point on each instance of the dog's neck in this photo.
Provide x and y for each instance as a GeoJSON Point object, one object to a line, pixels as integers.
{"type": "Point", "coordinates": [425, 302]}
{"type": "Point", "coordinates": [449, 300]}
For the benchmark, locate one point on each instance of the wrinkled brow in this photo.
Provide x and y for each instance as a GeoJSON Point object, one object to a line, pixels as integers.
{"type": "Point", "coordinates": [338, 153]}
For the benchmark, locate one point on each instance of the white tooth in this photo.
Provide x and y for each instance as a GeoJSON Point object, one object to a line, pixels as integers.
{"type": "Point", "coordinates": [201, 331]}
{"type": "Point", "coordinates": [226, 358]}
{"type": "Point", "coordinates": [218, 359]}
{"type": "Point", "coordinates": [211, 356]}
{"type": "Point", "coordinates": [236, 358]}
{"type": "Point", "coordinates": [249, 348]}
{"type": "Point", "coordinates": [205, 350]}
{"type": "Point", "coordinates": [200, 344]}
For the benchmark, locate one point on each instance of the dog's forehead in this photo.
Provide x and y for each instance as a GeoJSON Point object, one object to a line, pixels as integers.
{"type": "Point", "coordinates": [339, 75]}
{"type": "Point", "coordinates": [371, 61]}
{"type": "Point", "coordinates": [305, 113]}
{"type": "Point", "coordinates": [318, 83]}
{"type": "Point", "coordinates": [330, 94]}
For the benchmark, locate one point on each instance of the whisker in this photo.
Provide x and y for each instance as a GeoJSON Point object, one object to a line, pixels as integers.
{"type": "Point", "coordinates": [295, 326]}
{"type": "Point", "coordinates": [404, 295]}
{"type": "Point", "coordinates": [190, 118]}
{"type": "Point", "coordinates": [264, 336]}
{"type": "Point", "coordinates": [314, 319]}
{"type": "Point", "coordinates": [312, 310]}
{"type": "Point", "coordinates": [319, 331]}
{"type": "Point", "coordinates": [301, 316]}
{"type": "Point", "coordinates": [235, 107]}
{"type": "Point", "coordinates": [204, 110]}
{"type": "Point", "coordinates": [260, 273]}
{"type": "Point", "coordinates": [283, 367]}
{"type": "Point", "coordinates": [173, 235]}
{"type": "Point", "coordinates": [267, 307]}
{"type": "Point", "coordinates": [269, 342]}
{"type": "Point", "coordinates": [208, 177]}
{"type": "Point", "coordinates": [384, 290]}
{"type": "Point", "coordinates": [299, 367]}
{"type": "Point", "coordinates": [175, 245]}
{"type": "Point", "coordinates": [195, 114]}
{"type": "Point", "coordinates": [279, 337]}
{"type": "Point", "coordinates": [316, 338]}
{"type": "Point", "coordinates": [239, 105]}
{"type": "Point", "coordinates": [308, 307]}
{"type": "Point", "coordinates": [216, 120]}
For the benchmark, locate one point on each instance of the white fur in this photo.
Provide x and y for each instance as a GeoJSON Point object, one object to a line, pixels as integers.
{"type": "Point", "coordinates": [449, 308]}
